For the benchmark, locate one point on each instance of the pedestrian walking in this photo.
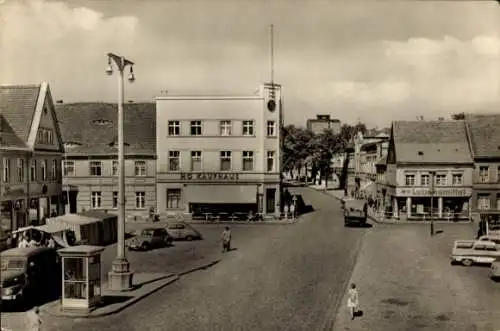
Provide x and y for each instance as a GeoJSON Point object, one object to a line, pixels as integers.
{"type": "Point", "coordinates": [34, 319]}
{"type": "Point", "coordinates": [226, 240]}
{"type": "Point", "coordinates": [353, 301]}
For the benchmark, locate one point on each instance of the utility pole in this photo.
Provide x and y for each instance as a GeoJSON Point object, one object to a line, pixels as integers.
{"type": "Point", "coordinates": [432, 173]}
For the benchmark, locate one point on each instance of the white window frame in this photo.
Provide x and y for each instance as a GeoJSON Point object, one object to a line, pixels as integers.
{"type": "Point", "coordinates": [225, 128]}
{"type": "Point", "coordinates": [410, 179]}
{"type": "Point", "coordinates": [33, 169]}
{"type": "Point", "coordinates": [67, 166]}
{"type": "Point", "coordinates": [174, 128]}
{"type": "Point", "coordinates": [484, 174]}
{"type": "Point", "coordinates": [444, 181]}
{"type": "Point", "coordinates": [196, 158]}
{"type": "Point", "coordinates": [20, 170]}
{"type": "Point", "coordinates": [271, 156]}
{"type": "Point", "coordinates": [140, 200]}
{"type": "Point", "coordinates": [174, 203]}
{"type": "Point", "coordinates": [53, 170]}
{"type": "Point", "coordinates": [196, 128]}
{"type": "Point", "coordinates": [426, 181]}
{"type": "Point", "coordinates": [114, 168]}
{"type": "Point", "coordinates": [248, 128]}
{"type": "Point", "coordinates": [455, 176]}
{"type": "Point", "coordinates": [96, 199]}
{"type": "Point", "coordinates": [114, 200]}
{"type": "Point", "coordinates": [95, 168]}
{"type": "Point", "coordinates": [140, 168]}
{"type": "Point", "coordinates": [271, 128]}
{"type": "Point", "coordinates": [6, 170]}
{"type": "Point", "coordinates": [225, 156]}
{"type": "Point", "coordinates": [174, 155]}
{"type": "Point", "coordinates": [44, 170]}
{"type": "Point", "coordinates": [245, 157]}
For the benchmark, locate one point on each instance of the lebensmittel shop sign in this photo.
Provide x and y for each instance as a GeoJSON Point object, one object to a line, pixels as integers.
{"type": "Point", "coordinates": [438, 192]}
{"type": "Point", "coordinates": [209, 176]}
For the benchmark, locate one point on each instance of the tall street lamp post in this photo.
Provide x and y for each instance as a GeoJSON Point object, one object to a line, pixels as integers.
{"type": "Point", "coordinates": [433, 175]}
{"type": "Point", "coordinates": [120, 277]}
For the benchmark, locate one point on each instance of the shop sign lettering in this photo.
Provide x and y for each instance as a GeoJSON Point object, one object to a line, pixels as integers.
{"type": "Point", "coordinates": [438, 192]}
{"type": "Point", "coordinates": [209, 176]}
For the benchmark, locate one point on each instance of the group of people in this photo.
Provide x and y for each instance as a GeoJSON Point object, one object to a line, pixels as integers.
{"type": "Point", "coordinates": [26, 240]}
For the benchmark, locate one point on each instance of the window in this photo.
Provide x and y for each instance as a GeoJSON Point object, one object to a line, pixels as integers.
{"type": "Point", "coordinates": [409, 179]}
{"type": "Point", "coordinates": [20, 170]}
{"type": "Point", "coordinates": [247, 161]}
{"type": "Point", "coordinates": [95, 168]}
{"type": "Point", "coordinates": [95, 201]}
{"type": "Point", "coordinates": [174, 128]}
{"type": "Point", "coordinates": [115, 199]}
{"type": "Point", "coordinates": [53, 170]}
{"type": "Point", "coordinates": [498, 201]}
{"type": "Point", "coordinates": [44, 169]}
{"type": "Point", "coordinates": [270, 160]}
{"type": "Point", "coordinates": [6, 170]}
{"type": "Point", "coordinates": [196, 161]}
{"type": "Point", "coordinates": [69, 168]}
{"type": "Point", "coordinates": [424, 180]}
{"type": "Point", "coordinates": [140, 200]}
{"type": "Point", "coordinates": [484, 174]}
{"type": "Point", "coordinates": [441, 180]}
{"type": "Point", "coordinates": [140, 168]}
{"type": "Point", "coordinates": [248, 128]}
{"type": "Point", "coordinates": [173, 198]}
{"type": "Point", "coordinates": [174, 160]}
{"type": "Point", "coordinates": [225, 128]}
{"type": "Point", "coordinates": [33, 170]}
{"type": "Point", "coordinates": [196, 128]}
{"type": "Point", "coordinates": [498, 174]}
{"type": "Point", "coordinates": [225, 161]}
{"type": "Point", "coordinates": [271, 128]}
{"type": "Point", "coordinates": [457, 179]}
{"type": "Point", "coordinates": [45, 136]}
{"type": "Point", "coordinates": [483, 201]}
{"type": "Point", "coordinates": [114, 168]}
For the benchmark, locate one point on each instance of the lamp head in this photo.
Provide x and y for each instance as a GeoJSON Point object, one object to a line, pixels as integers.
{"type": "Point", "coordinates": [131, 77]}
{"type": "Point", "coordinates": [109, 69]}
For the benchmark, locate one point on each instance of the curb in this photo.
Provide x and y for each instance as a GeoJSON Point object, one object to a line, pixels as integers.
{"type": "Point", "coordinates": [197, 268]}
{"type": "Point", "coordinates": [173, 278]}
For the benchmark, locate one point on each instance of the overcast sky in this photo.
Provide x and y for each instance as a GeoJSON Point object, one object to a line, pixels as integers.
{"type": "Point", "coordinates": [373, 61]}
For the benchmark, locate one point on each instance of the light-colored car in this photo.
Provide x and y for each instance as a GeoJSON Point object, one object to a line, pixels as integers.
{"type": "Point", "coordinates": [495, 270]}
{"type": "Point", "coordinates": [150, 238]}
{"type": "Point", "coordinates": [491, 237]}
{"type": "Point", "coordinates": [182, 231]}
{"type": "Point", "coordinates": [468, 252]}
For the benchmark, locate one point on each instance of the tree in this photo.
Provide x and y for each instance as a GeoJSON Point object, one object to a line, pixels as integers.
{"type": "Point", "coordinates": [458, 116]}
{"type": "Point", "coordinates": [296, 142]}
{"type": "Point", "coordinates": [323, 147]}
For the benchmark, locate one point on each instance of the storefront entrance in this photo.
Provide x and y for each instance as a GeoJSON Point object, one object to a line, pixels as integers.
{"type": "Point", "coordinates": [270, 200]}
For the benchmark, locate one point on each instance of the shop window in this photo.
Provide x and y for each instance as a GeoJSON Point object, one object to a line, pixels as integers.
{"type": "Point", "coordinates": [225, 128]}
{"type": "Point", "coordinates": [425, 179]}
{"type": "Point", "coordinates": [95, 168]}
{"type": "Point", "coordinates": [174, 160]}
{"type": "Point", "coordinates": [196, 161]}
{"type": "Point", "coordinates": [483, 201]}
{"type": "Point", "coordinates": [196, 128]}
{"type": "Point", "coordinates": [174, 128]}
{"type": "Point", "coordinates": [457, 179]}
{"type": "Point", "coordinates": [140, 168]}
{"type": "Point", "coordinates": [173, 198]}
{"type": "Point", "coordinates": [484, 174]}
{"type": "Point", "coordinates": [225, 161]}
{"type": "Point", "coordinates": [441, 180]}
{"type": "Point", "coordinates": [409, 179]}
{"type": "Point", "coordinates": [247, 160]}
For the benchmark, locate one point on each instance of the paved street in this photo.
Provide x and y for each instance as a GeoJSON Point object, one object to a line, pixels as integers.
{"type": "Point", "coordinates": [283, 278]}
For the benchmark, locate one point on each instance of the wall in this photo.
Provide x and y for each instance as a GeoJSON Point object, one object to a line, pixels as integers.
{"type": "Point", "coordinates": [466, 170]}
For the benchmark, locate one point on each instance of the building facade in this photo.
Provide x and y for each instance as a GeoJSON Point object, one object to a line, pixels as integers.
{"type": "Point", "coordinates": [323, 122]}
{"type": "Point", "coordinates": [429, 171]}
{"type": "Point", "coordinates": [220, 154]}
{"type": "Point", "coordinates": [31, 150]}
{"type": "Point", "coordinates": [90, 165]}
{"type": "Point", "coordinates": [483, 132]}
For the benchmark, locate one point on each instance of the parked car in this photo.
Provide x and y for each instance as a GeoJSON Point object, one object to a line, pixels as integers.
{"type": "Point", "coordinates": [491, 237]}
{"type": "Point", "coordinates": [150, 238]}
{"type": "Point", "coordinates": [28, 274]}
{"type": "Point", "coordinates": [355, 212]}
{"type": "Point", "coordinates": [468, 252]}
{"type": "Point", "coordinates": [182, 231]}
{"type": "Point", "coordinates": [495, 270]}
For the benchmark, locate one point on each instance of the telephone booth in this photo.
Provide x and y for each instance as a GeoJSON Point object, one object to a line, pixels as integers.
{"type": "Point", "coordinates": [81, 273]}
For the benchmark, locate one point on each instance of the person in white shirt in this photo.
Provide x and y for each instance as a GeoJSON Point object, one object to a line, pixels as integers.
{"type": "Point", "coordinates": [23, 243]}
{"type": "Point", "coordinates": [353, 301]}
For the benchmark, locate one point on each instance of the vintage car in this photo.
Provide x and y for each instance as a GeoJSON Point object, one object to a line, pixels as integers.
{"type": "Point", "coordinates": [468, 252]}
{"type": "Point", "coordinates": [355, 212]}
{"type": "Point", "coordinates": [182, 231]}
{"type": "Point", "coordinates": [28, 274]}
{"type": "Point", "coordinates": [150, 238]}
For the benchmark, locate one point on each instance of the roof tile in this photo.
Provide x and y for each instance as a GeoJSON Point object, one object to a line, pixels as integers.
{"type": "Point", "coordinates": [484, 131]}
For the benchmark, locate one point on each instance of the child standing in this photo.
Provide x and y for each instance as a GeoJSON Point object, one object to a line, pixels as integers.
{"type": "Point", "coordinates": [353, 301]}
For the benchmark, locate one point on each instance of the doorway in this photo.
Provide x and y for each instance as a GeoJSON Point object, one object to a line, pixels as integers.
{"type": "Point", "coordinates": [270, 200]}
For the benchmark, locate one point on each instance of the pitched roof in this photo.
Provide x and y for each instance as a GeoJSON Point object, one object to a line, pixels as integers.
{"type": "Point", "coordinates": [431, 142]}
{"type": "Point", "coordinates": [92, 128]}
{"type": "Point", "coordinates": [17, 107]}
{"type": "Point", "coordinates": [484, 134]}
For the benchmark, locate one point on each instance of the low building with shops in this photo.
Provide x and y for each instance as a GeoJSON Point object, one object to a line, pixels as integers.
{"type": "Point", "coordinates": [219, 154]}
{"type": "Point", "coordinates": [484, 137]}
{"type": "Point", "coordinates": [90, 165]}
{"type": "Point", "coordinates": [429, 171]}
{"type": "Point", "coordinates": [31, 150]}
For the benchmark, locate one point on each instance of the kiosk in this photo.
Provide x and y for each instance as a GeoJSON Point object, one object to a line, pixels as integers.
{"type": "Point", "coordinates": [81, 283]}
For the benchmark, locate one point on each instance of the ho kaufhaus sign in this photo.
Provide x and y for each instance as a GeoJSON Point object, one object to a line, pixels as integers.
{"type": "Point", "coordinates": [209, 176]}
